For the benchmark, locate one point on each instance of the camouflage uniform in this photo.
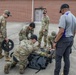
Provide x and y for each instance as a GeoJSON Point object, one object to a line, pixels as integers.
{"type": "Point", "coordinates": [3, 34]}
{"type": "Point", "coordinates": [51, 39]}
{"type": "Point", "coordinates": [50, 43]}
{"type": "Point", "coordinates": [24, 33]}
{"type": "Point", "coordinates": [21, 54]}
{"type": "Point", "coordinates": [44, 30]}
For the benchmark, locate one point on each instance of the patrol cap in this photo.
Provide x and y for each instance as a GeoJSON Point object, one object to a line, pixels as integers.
{"type": "Point", "coordinates": [63, 6]}
{"type": "Point", "coordinates": [53, 34]}
{"type": "Point", "coordinates": [34, 37]}
{"type": "Point", "coordinates": [7, 12]}
{"type": "Point", "coordinates": [32, 24]}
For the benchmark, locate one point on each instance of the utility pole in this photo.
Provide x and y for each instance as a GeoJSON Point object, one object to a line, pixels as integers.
{"type": "Point", "coordinates": [32, 17]}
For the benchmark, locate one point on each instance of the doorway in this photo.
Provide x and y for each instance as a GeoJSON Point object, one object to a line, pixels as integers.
{"type": "Point", "coordinates": [38, 14]}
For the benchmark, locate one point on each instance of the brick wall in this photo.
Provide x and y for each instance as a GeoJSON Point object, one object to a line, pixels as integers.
{"type": "Point", "coordinates": [53, 7]}
{"type": "Point", "coordinates": [22, 9]}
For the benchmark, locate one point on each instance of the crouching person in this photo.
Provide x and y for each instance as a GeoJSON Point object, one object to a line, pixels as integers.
{"type": "Point", "coordinates": [51, 39]}
{"type": "Point", "coordinates": [21, 54]}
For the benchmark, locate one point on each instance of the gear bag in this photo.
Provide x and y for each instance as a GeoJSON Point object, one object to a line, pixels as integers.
{"type": "Point", "coordinates": [37, 62]}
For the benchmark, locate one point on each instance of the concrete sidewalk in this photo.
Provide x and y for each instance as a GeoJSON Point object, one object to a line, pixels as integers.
{"type": "Point", "coordinates": [12, 32]}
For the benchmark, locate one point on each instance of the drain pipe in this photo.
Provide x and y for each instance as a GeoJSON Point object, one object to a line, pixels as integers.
{"type": "Point", "coordinates": [32, 17]}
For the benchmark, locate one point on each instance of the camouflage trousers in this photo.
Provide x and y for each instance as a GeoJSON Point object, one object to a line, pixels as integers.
{"type": "Point", "coordinates": [41, 34]}
{"type": "Point", "coordinates": [22, 60]}
{"type": "Point", "coordinates": [5, 53]}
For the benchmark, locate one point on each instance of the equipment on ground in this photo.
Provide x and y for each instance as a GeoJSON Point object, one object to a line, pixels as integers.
{"type": "Point", "coordinates": [7, 46]}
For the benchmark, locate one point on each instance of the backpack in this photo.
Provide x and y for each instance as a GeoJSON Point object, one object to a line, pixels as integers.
{"type": "Point", "coordinates": [37, 62]}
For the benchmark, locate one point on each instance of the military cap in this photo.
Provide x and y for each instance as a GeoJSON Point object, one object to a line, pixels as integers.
{"type": "Point", "coordinates": [7, 12]}
{"type": "Point", "coordinates": [63, 6]}
{"type": "Point", "coordinates": [34, 37]}
{"type": "Point", "coordinates": [53, 34]}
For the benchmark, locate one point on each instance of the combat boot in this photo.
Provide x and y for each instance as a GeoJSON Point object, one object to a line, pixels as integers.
{"type": "Point", "coordinates": [6, 68]}
{"type": "Point", "coordinates": [21, 69]}
{"type": "Point", "coordinates": [1, 56]}
{"type": "Point", "coordinates": [7, 58]}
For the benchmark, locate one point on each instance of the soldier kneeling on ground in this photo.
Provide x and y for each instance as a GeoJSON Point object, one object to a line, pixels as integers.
{"type": "Point", "coordinates": [20, 55]}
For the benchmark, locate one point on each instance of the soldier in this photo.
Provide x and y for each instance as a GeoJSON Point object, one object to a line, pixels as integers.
{"type": "Point", "coordinates": [44, 29]}
{"type": "Point", "coordinates": [26, 32]}
{"type": "Point", "coordinates": [21, 54]}
{"type": "Point", "coordinates": [50, 43]}
{"type": "Point", "coordinates": [3, 33]}
{"type": "Point", "coordinates": [51, 39]}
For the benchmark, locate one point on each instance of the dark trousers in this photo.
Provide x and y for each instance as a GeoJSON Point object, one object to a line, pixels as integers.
{"type": "Point", "coordinates": [63, 50]}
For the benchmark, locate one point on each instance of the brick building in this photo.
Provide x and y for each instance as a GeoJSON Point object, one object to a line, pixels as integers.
{"type": "Point", "coordinates": [31, 10]}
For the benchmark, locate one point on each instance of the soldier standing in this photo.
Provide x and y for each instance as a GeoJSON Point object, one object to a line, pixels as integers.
{"type": "Point", "coordinates": [44, 29]}
{"type": "Point", "coordinates": [26, 32]}
{"type": "Point", "coordinates": [3, 33]}
{"type": "Point", "coordinates": [21, 54]}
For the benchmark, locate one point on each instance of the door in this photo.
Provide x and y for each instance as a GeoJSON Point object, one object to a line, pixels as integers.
{"type": "Point", "coordinates": [38, 15]}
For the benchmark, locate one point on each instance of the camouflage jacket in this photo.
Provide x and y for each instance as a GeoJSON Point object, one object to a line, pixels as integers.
{"type": "Point", "coordinates": [50, 40]}
{"type": "Point", "coordinates": [45, 23]}
{"type": "Point", "coordinates": [24, 33]}
{"type": "Point", "coordinates": [3, 33]}
{"type": "Point", "coordinates": [25, 48]}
